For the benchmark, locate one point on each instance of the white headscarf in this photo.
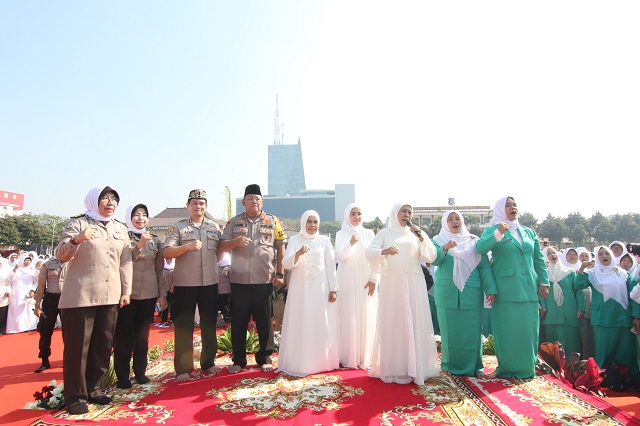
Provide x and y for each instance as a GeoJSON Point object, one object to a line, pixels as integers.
{"type": "Point", "coordinates": [500, 216]}
{"type": "Point", "coordinates": [130, 224]}
{"type": "Point", "coordinates": [557, 272]}
{"type": "Point", "coordinates": [91, 203]}
{"type": "Point", "coordinates": [465, 256]}
{"type": "Point", "coordinates": [581, 250]}
{"type": "Point", "coordinates": [27, 270]}
{"type": "Point", "coordinates": [616, 259]}
{"type": "Point", "coordinates": [394, 224]}
{"type": "Point", "coordinates": [34, 259]}
{"type": "Point", "coordinates": [347, 227]}
{"type": "Point", "coordinates": [565, 262]}
{"type": "Point", "coordinates": [609, 280]}
{"type": "Point", "coordinates": [633, 271]}
{"type": "Point", "coordinates": [303, 224]}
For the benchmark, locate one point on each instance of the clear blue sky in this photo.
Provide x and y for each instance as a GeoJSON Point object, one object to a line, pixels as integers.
{"type": "Point", "coordinates": [410, 101]}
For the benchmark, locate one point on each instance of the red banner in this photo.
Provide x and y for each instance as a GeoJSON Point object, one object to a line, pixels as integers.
{"type": "Point", "coordinates": [12, 199]}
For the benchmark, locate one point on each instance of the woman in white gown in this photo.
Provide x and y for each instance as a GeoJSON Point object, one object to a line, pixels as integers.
{"type": "Point", "coordinates": [309, 342]}
{"type": "Point", "coordinates": [358, 304]}
{"type": "Point", "coordinates": [404, 349]}
{"type": "Point", "coordinates": [22, 302]}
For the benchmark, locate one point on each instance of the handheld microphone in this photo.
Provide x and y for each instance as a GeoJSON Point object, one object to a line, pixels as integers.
{"type": "Point", "coordinates": [418, 233]}
{"type": "Point", "coordinates": [42, 315]}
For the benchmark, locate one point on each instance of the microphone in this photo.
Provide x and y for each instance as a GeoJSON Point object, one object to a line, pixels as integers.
{"type": "Point", "coordinates": [418, 233]}
{"type": "Point", "coordinates": [42, 315]}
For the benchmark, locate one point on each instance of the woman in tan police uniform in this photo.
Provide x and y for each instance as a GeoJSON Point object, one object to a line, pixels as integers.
{"type": "Point", "coordinates": [97, 281]}
{"type": "Point", "coordinates": [148, 287]}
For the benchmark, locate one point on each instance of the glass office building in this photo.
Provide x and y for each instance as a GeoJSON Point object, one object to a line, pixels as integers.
{"type": "Point", "coordinates": [286, 171]}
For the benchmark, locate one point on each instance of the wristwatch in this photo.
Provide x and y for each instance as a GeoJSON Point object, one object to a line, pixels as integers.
{"type": "Point", "coordinates": [279, 275]}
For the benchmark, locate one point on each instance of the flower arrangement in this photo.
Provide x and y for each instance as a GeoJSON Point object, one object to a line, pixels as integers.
{"type": "Point", "coordinates": [50, 398]}
{"type": "Point", "coordinates": [583, 375]}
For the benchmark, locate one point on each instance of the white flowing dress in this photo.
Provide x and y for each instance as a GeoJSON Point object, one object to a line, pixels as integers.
{"type": "Point", "coordinates": [357, 311]}
{"type": "Point", "coordinates": [404, 347]}
{"type": "Point", "coordinates": [309, 340]}
{"type": "Point", "coordinates": [20, 315]}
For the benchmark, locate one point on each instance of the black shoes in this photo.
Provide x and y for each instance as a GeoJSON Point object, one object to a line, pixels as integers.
{"type": "Point", "coordinates": [45, 365]}
{"type": "Point", "coordinates": [100, 399]}
{"type": "Point", "coordinates": [143, 379]}
{"type": "Point", "coordinates": [124, 384]}
{"type": "Point", "coordinates": [78, 408]}
{"type": "Point", "coordinates": [82, 407]}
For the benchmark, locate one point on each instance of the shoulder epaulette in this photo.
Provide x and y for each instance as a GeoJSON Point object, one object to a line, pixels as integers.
{"type": "Point", "coordinates": [76, 217]}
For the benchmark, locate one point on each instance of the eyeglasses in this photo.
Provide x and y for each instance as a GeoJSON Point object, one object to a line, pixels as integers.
{"type": "Point", "coordinates": [253, 198]}
{"type": "Point", "coordinates": [106, 199]}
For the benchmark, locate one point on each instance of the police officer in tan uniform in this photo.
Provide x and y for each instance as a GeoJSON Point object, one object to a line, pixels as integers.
{"type": "Point", "coordinates": [96, 283]}
{"type": "Point", "coordinates": [47, 299]}
{"type": "Point", "coordinates": [149, 287]}
{"type": "Point", "coordinates": [193, 243]}
{"type": "Point", "coordinates": [256, 240]}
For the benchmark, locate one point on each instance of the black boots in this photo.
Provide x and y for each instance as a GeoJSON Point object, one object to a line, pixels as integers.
{"type": "Point", "coordinates": [44, 366]}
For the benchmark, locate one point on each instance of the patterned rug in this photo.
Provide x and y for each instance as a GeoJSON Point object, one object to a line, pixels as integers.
{"type": "Point", "coordinates": [341, 397]}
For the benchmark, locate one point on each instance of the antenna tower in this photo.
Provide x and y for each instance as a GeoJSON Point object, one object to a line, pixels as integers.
{"type": "Point", "coordinates": [277, 139]}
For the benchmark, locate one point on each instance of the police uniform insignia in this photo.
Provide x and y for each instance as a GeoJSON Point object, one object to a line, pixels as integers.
{"type": "Point", "coordinates": [171, 229]}
{"type": "Point", "coordinates": [240, 222]}
{"type": "Point", "coordinates": [279, 232]}
{"type": "Point", "coordinates": [266, 230]}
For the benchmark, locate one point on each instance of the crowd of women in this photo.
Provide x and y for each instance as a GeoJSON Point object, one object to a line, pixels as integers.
{"type": "Point", "coordinates": [361, 304]}
{"type": "Point", "coordinates": [18, 283]}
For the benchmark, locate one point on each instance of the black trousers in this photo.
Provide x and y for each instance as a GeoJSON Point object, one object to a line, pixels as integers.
{"type": "Point", "coordinates": [184, 311]}
{"type": "Point", "coordinates": [48, 324]}
{"type": "Point", "coordinates": [251, 300]}
{"type": "Point", "coordinates": [224, 302]}
{"type": "Point", "coordinates": [88, 337]}
{"type": "Point", "coordinates": [132, 337]}
{"type": "Point", "coordinates": [167, 314]}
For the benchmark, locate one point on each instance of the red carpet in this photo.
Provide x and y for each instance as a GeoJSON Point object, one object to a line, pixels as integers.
{"type": "Point", "coordinates": [346, 397]}
{"type": "Point", "coordinates": [341, 397]}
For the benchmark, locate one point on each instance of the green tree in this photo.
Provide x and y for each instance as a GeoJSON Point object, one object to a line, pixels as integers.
{"type": "Point", "coordinates": [376, 225]}
{"type": "Point", "coordinates": [625, 228]}
{"type": "Point", "coordinates": [603, 232]}
{"type": "Point", "coordinates": [553, 228]}
{"type": "Point", "coordinates": [475, 229]}
{"type": "Point", "coordinates": [330, 229]}
{"type": "Point", "coordinates": [9, 234]}
{"type": "Point", "coordinates": [32, 232]}
{"type": "Point", "coordinates": [579, 235]}
{"type": "Point", "coordinates": [527, 219]}
{"type": "Point", "coordinates": [575, 219]}
{"type": "Point", "coordinates": [432, 228]}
